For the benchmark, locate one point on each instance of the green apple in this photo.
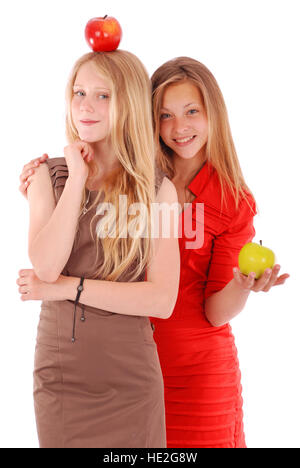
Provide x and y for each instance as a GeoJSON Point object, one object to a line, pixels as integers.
{"type": "Point", "coordinates": [255, 257]}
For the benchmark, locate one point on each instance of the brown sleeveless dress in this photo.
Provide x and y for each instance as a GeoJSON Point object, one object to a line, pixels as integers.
{"type": "Point", "coordinates": [106, 388]}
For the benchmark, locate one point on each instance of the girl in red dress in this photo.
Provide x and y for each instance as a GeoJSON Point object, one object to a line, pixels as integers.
{"type": "Point", "coordinates": [196, 345]}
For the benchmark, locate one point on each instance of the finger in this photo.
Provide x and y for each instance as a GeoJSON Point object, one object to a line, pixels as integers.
{"type": "Point", "coordinates": [250, 281]}
{"type": "Point", "coordinates": [85, 150]}
{"type": "Point", "coordinates": [237, 275]}
{"type": "Point", "coordinates": [25, 174]}
{"type": "Point", "coordinates": [23, 289]}
{"type": "Point", "coordinates": [44, 157]}
{"type": "Point", "coordinates": [247, 282]}
{"type": "Point", "coordinates": [23, 188]}
{"type": "Point", "coordinates": [84, 153]}
{"type": "Point", "coordinates": [281, 279]}
{"type": "Point", "coordinates": [36, 162]}
{"type": "Point", "coordinates": [41, 159]}
{"type": "Point", "coordinates": [285, 276]}
{"type": "Point", "coordinates": [273, 278]}
{"type": "Point", "coordinates": [22, 281]}
{"type": "Point", "coordinates": [25, 272]}
{"type": "Point", "coordinates": [266, 281]}
{"type": "Point", "coordinates": [28, 170]}
{"type": "Point", "coordinates": [81, 145]}
{"type": "Point", "coordinates": [281, 283]}
{"type": "Point", "coordinates": [29, 165]}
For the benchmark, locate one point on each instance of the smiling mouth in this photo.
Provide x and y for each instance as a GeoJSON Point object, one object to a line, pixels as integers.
{"type": "Point", "coordinates": [184, 141]}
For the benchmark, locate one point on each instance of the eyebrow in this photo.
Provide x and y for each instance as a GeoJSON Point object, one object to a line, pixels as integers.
{"type": "Point", "coordinates": [81, 86]}
{"type": "Point", "coordinates": [187, 105]}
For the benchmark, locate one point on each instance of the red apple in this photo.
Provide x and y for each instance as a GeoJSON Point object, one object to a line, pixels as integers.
{"type": "Point", "coordinates": [103, 34]}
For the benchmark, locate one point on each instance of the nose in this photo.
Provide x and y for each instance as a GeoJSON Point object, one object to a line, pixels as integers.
{"type": "Point", "coordinates": [86, 105]}
{"type": "Point", "coordinates": [180, 125]}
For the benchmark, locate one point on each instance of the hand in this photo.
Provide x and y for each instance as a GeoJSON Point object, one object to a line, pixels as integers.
{"type": "Point", "coordinates": [77, 156]}
{"type": "Point", "coordinates": [268, 279]}
{"type": "Point", "coordinates": [33, 289]}
{"type": "Point", "coordinates": [28, 171]}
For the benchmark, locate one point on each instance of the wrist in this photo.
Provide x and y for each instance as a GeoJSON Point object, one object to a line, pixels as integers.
{"type": "Point", "coordinates": [67, 287]}
{"type": "Point", "coordinates": [77, 182]}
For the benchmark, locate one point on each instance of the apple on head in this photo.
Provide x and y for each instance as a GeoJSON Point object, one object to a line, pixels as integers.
{"type": "Point", "coordinates": [103, 34]}
{"type": "Point", "coordinates": [255, 258]}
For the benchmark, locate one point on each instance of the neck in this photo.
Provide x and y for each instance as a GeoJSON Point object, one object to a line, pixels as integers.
{"type": "Point", "coordinates": [186, 169]}
{"type": "Point", "coordinates": [104, 157]}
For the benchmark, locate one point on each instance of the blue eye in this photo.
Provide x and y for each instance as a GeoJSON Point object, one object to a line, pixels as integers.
{"type": "Point", "coordinates": [104, 96]}
{"type": "Point", "coordinates": [78, 93]}
{"type": "Point", "coordinates": [165, 116]}
{"type": "Point", "coordinates": [192, 111]}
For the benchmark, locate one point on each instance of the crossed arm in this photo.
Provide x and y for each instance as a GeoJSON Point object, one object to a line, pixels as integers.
{"type": "Point", "coordinates": [50, 244]}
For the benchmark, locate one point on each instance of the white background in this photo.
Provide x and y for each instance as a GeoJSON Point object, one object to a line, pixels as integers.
{"type": "Point", "coordinates": [252, 48]}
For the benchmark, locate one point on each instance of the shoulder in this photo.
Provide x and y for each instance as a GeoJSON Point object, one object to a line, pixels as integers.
{"type": "Point", "coordinates": [49, 177]}
{"type": "Point", "coordinates": [159, 177]}
{"type": "Point", "coordinates": [223, 200]}
{"type": "Point", "coordinates": [56, 164]}
{"type": "Point", "coordinates": [40, 175]}
{"type": "Point", "coordinates": [167, 192]}
{"type": "Point", "coordinates": [58, 170]}
{"type": "Point", "coordinates": [246, 209]}
{"type": "Point", "coordinates": [40, 187]}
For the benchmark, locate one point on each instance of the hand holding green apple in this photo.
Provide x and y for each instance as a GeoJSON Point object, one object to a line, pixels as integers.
{"type": "Point", "coordinates": [255, 258]}
{"type": "Point", "coordinates": [257, 270]}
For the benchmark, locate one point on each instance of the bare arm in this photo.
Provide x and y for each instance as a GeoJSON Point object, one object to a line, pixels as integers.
{"type": "Point", "coordinates": [226, 304]}
{"type": "Point", "coordinates": [155, 297]}
{"type": "Point", "coordinates": [51, 229]}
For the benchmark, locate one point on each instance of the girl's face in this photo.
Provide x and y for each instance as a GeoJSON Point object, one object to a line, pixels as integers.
{"type": "Point", "coordinates": [183, 120]}
{"type": "Point", "coordinates": [90, 105]}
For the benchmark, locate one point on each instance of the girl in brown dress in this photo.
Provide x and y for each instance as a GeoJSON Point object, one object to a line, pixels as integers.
{"type": "Point", "coordinates": [97, 378]}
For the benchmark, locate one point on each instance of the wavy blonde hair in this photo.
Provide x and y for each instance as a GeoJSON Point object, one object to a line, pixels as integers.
{"type": "Point", "coordinates": [220, 149]}
{"type": "Point", "coordinates": [132, 141]}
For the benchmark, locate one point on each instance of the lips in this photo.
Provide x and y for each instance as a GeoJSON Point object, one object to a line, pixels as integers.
{"type": "Point", "coordinates": [89, 122]}
{"type": "Point", "coordinates": [184, 141]}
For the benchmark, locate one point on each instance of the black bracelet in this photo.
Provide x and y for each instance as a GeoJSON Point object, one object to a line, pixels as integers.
{"type": "Point", "coordinates": [79, 291]}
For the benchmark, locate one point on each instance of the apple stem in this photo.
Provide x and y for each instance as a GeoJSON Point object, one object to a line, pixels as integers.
{"type": "Point", "coordinates": [105, 16]}
{"type": "Point", "coordinates": [260, 242]}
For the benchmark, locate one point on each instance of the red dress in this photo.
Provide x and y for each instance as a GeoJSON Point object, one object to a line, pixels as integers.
{"type": "Point", "coordinates": [199, 362]}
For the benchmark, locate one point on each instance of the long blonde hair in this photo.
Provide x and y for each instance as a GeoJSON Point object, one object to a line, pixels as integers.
{"type": "Point", "coordinates": [132, 141]}
{"type": "Point", "coordinates": [220, 149]}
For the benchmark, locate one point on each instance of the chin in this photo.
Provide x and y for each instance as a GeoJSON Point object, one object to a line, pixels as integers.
{"type": "Point", "coordinates": [186, 154]}
{"type": "Point", "coordinates": [88, 138]}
